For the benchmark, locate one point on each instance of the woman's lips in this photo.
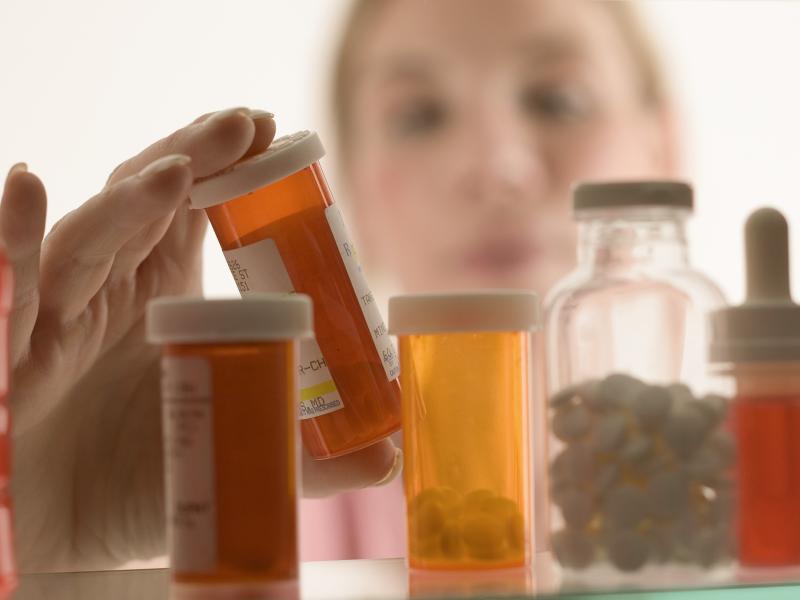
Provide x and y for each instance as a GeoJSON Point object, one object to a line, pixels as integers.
{"type": "Point", "coordinates": [502, 255]}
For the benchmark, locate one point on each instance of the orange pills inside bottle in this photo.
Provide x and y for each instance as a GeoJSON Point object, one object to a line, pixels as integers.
{"type": "Point", "coordinates": [281, 231]}
{"type": "Point", "coordinates": [229, 398]}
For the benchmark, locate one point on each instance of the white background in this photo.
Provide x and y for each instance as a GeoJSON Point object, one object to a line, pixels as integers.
{"type": "Point", "coordinates": [86, 83]}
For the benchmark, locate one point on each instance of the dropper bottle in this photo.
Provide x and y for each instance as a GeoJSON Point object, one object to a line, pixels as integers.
{"type": "Point", "coordinates": [757, 344]}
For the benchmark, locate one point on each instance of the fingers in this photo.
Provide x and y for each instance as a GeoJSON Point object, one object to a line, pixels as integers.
{"type": "Point", "coordinates": [264, 132]}
{"type": "Point", "coordinates": [174, 266]}
{"type": "Point", "coordinates": [22, 221]}
{"type": "Point", "coordinates": [264, 129]}
{"type": "Point", "coordinates": [78, 253]}
{"type": "Point", "coordinates": [373, 466]}
{"type": "Point", "coordinates": [137, 249]}
{"type": "Point", "coordinates": [212, 145]}
{"type": "Point", "coordinates": [213, 142]}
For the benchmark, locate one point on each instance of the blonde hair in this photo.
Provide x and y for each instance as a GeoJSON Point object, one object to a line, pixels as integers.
{"type": "Point", "coordinates": [647, 62]}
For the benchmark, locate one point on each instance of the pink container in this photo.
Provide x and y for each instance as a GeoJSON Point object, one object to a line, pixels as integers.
{"type": "Point", "coordinates": [8, 571]}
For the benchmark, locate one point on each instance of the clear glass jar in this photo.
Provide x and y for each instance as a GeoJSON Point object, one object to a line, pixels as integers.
{"type": "Point", "coordinates": [639, 452]}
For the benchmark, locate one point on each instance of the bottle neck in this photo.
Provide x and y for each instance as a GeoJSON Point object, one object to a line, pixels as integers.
{"type": "Point", "coordinates": [623, 238]}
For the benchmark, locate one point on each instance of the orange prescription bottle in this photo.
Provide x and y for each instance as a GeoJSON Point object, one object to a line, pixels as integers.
{"type": "Point", "coordinates": [8, 570]}
{"type": "Point", "coordinates": [229, 396]}
{"type": "Point", "coordinates": [465, 362]}
{"type": "Point", "coordinates": [281, 231]}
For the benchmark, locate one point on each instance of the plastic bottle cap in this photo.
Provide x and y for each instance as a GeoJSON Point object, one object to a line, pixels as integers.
{"type": "Point", "coordinates": [767, 326]}
{"type": "Point", "coordinates": [284, 157]}
{"type": "Point", "coordinates": [491, 310]}
{"type": "Point", "coordinates": [259, 317]}
{"type": "Point", "coordinates": [620, 194]}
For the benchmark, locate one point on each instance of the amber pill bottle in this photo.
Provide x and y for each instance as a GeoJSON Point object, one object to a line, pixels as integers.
{"type": "Point", "coordinates": [467, 430]}
{"type": "Point", "coordinates": [229, 397]}
{"type": "Point", "coordinates": [280, 231]}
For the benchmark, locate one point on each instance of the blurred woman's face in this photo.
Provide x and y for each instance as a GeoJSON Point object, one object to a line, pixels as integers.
{"type": "Point", "coordinates": [472, 120]}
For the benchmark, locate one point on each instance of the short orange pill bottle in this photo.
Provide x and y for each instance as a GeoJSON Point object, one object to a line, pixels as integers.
{"type": "Point", "coordinates": [467, 429]}
{"type": "Point", "coordinates": [281, 231]}
{"type": "Point", "coordinates": [229, 398]}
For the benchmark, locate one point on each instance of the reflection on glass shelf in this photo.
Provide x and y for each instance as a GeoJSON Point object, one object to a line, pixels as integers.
{"type": "Point", "coordinates": [471, 584]}
{"type": "Point", "coordinates": [389, 580]}
{"type": "Point", "coordinates": [650, 577]}
{"type": "Point", "coordinates": [149, 584]}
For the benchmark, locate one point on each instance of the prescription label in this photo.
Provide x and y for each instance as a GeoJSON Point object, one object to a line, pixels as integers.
{"type": "Point", "coordinates": [258, 267]}
{"type": "Point", "coordinates": [189, 452]}
{"type": "Point", "coordinates": [369, 307]}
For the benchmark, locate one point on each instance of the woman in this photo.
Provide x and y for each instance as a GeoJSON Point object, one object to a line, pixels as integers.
{"type": "Point", "coordinates": [463, 125]}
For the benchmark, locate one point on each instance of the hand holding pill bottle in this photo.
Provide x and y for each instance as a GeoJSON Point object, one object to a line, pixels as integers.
{"type": "Point", "coordinates": [466, 427]}
{"type": "Point", "coordinates": [757, 345]}
{"type": "Point", "coordinates": [229, 398]}
{"type": "Point", "coordinates": [641, 453]}
{"type": "Point", "coordinates": [281, 231]}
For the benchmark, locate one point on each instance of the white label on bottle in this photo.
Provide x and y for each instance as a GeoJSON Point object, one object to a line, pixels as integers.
{"type": "Point", "coordinates": [380, 336]}
{"type": "Point", "coordinates": [189, 450]}
{"type": "Point", "coordinates": [258, 267]}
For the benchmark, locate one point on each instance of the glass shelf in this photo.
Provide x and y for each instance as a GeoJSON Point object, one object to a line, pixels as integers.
{"type": "Point", "coordinates": [367, 579]}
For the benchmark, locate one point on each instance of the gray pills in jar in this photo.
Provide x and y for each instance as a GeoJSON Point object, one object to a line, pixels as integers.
{"type": "Point", "coordinates": [642, 475]}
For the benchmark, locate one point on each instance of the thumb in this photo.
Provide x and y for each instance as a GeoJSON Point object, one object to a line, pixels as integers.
{"type": "Point", "coordinates": [22, 222]}
{"type": "Point", "coordinates": [371, 466]}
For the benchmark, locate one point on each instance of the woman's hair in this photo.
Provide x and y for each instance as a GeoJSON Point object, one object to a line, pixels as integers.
{"type": "Point", "coordinates": [652, 80]}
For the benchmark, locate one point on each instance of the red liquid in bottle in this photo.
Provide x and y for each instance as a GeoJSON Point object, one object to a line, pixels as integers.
{"type": "Point", "coordinates": [768, 436]}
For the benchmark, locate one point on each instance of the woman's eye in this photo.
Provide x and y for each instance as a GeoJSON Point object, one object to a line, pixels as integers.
{"type": "Point", "coordinates": [554, 103]}
{"type": "Point", "coordinates": [418, 118]}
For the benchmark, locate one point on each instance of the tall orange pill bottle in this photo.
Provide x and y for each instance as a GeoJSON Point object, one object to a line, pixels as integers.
{"type": "Point", "coordinates": [281, 231]}
{"type": "Point", "coordinates": [229, 397]}
{"type": "Point", "coordinates": [465, 362]}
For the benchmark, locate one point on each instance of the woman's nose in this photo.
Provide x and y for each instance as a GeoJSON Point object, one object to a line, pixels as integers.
{"type": "Point", "coordinates": [505, 163]}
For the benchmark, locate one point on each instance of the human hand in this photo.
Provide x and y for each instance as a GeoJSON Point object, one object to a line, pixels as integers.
{"type": "Point", "coordinates": [87, 457]}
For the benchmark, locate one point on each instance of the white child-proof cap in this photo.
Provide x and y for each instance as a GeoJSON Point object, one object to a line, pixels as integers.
{"type": "Point", "coordinates": [284, 157]}
{"type": "Point", "coordinates": [258, 317]}
{"type": "Point", "coordinates": [622, 194]}
{"type": "Point", "coordinates": [464, 312]}
{"type": "Point", "coordinates": [767, 326]}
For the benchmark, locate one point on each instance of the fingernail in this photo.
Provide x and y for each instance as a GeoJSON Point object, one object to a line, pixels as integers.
{"type": "Point", "coordinates": [20, 167]}
{"type": "Point", "coordinates": [164, 163]}
{"type": "Point", "coordinates": [224, 114]}
{"type": "Point", "coordinates": [257, 113]}
{"type": "Point", "coordinates": [397, 466]}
